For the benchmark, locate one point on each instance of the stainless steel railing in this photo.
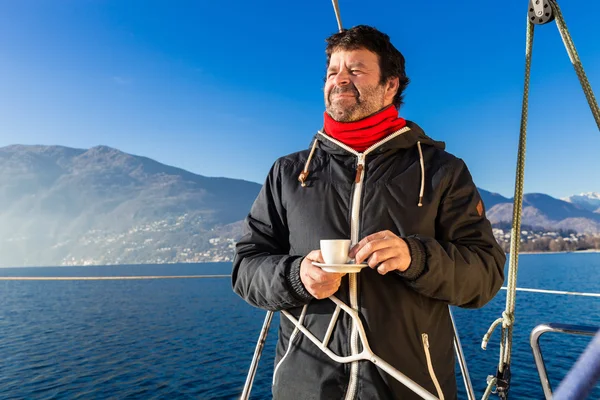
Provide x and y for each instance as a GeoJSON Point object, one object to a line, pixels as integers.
{"type": "Point", "coordinates": [534, 341]}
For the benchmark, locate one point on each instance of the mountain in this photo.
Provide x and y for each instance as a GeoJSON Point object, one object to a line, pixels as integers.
{"type": "Point", "coordinates": [589, 201]}
{"type": "Point", "coordinates": [491, 199]}
{"type": "Point", "coordinates": [541, 210]}
{"type": "Point", "coordinates": [65, 206]}
{"type": "Point", "coordinates": [60, 205]}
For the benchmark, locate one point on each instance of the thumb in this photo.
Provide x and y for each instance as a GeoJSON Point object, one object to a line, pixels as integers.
{"type": "Point", "coordinates": [316, 256]}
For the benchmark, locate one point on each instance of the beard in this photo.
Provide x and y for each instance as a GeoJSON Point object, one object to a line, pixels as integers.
{"type": "Point", "coordinates": [361, 105]}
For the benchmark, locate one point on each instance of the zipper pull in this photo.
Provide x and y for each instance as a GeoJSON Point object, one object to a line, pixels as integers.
{"type": "Point", "coordinates": [425, 339]}
{"type": "Point", "coordinates": [359, 169]}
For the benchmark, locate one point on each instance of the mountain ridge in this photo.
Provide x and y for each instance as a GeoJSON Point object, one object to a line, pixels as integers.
{"type": "Point", "coordinates": [61, 205]}
{"type": "Point", "coordinates": [51, 197]}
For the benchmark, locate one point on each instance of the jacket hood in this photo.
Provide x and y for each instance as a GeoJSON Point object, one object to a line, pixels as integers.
{"type": "Point", "coordinates": [405, 138]}
{"type": "Point", "coordinates": [408, 139]}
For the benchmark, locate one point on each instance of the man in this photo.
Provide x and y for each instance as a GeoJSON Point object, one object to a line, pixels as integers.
{"type": "Point", "coordinates": [412, 212]}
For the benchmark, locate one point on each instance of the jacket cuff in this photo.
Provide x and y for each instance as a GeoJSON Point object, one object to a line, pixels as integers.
{"type": "Point", "coordinates": [418, 258]}
{"type": "Point", "coordinates": [295, 283]}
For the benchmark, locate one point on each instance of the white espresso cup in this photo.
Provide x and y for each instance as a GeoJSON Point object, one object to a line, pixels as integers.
{"type": "Point", "coordinates": [335, 251]}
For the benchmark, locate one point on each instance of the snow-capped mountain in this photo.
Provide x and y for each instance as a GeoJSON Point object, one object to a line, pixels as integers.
{"type": "Point", "coordinates": [588, 201]}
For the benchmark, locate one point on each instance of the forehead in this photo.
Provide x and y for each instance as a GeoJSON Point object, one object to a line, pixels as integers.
{"type": "Point", "coordinates": [359, 56]}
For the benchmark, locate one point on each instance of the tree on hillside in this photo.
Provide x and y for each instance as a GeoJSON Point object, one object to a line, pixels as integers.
{"type": "Point", "coordinates": [557, 245]}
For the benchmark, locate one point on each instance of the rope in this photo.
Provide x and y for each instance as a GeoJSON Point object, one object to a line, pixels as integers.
{"type": "Point", "coordinates": [103, 278]}
{"type": "Point", "coordinates": [574, 57]}
{"type": "Point", "coordinates": [508, 316]}
{"type": "Point", "coordinates": [555, 292]}
{"type": "Point", "coordinates": [336, 9]}
{"type": "Point", "coordinates": [515, 240]}
{"type": "Point", "coordinates": [490, 388]}
{"type": "Point", "coordinates": [506, 321]}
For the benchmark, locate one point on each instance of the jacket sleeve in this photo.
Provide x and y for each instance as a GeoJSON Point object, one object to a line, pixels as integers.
{"type": "Point", "coordinates": [264, 274]}
{"type": "Point", "coordinates": [463, 265]}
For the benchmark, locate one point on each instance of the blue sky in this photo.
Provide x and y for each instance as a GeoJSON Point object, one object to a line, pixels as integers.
{"type": "Point", "coordinates": [224, 88]}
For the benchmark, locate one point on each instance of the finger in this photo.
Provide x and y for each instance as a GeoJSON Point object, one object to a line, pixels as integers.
{"type": "Point", "coordinates": [331, 284]}
{"type": "Point", "coordinates": [364, 241]}
{"type": "Point", "coordinates": [369, 239]}
{"type": "Point", "coordinates": [388, 266]}
{"type": "Point", "coordinates": [321, 293]}
{"type": "Point", "coordinates": [370, 248]}
{"type": "Point", "coordinates": [320, 276]}
{"type": "Point", "coordinates": [330, 292]}
{"type": "Point", "coordinates": [382, 256]}
{"type": "Point", "coordinates": [326, 291]}
{"type": "Point", "coordinates": [315, 256]}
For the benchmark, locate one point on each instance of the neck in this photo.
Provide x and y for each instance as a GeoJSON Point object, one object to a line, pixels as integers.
{"type": "Point", "coordinates": [362, 134]}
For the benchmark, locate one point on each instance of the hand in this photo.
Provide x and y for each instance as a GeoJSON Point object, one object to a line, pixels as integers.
{"type": "Point", "coordinates": [319, 283]}
{"type": "Point", "coordinates": [384, 251]}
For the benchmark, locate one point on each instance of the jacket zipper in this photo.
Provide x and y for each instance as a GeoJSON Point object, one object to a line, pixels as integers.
{"type": "Point", "coordinates": [355, 230]}
{"type": "Point", "coordinates": [425, 338]}
{"type": "Point", "coordinates": [353, 278]}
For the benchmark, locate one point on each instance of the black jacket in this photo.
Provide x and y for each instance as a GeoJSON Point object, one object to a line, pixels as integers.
{"type": "Point", "coordinates": [455, 261]}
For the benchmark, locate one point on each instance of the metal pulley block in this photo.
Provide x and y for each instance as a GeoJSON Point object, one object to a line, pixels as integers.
{"type": "Point", "coordinates": [540, 12]}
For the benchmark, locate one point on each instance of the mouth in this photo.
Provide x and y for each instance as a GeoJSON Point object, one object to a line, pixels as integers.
{"type": "Point", "coordinates": [342, 96]}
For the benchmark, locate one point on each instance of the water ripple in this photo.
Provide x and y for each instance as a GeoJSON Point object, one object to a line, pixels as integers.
{"type": "Point", "coordinates": [194, 339]}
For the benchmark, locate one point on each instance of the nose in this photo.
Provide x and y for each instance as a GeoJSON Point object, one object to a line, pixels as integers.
{"type": "Point", "coordinates": [342, 78]}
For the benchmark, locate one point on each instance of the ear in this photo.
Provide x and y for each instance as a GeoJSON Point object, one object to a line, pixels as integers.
{"type": "Point", "coordinates": [391, 88]}
{"type": "Point", "coordinates": [392, 84]}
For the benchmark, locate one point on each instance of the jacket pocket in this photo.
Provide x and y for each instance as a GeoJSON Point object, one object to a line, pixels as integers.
{"type": "Point", "coordinates": [290, 342]}
{"type": "Point", "coordinates": [425, 339]}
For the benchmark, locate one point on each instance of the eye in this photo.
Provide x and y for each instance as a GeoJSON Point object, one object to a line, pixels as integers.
{"type": "Point", "coordinates": [330, 74]}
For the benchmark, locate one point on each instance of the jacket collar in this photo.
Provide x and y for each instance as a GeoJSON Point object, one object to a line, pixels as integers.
{"type": "Point", "coordinates": [405, 140]}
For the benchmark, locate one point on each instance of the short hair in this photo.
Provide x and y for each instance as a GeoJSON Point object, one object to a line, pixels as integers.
{"type": "Point", "coordinates": [391, 61]}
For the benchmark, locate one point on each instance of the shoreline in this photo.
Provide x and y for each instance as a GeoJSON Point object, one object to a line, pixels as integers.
{"type": "Point", "coordinates": [591, 251]}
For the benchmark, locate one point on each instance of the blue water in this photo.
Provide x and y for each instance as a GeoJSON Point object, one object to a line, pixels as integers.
{"type": "Point", "coordinates": [194, 338]}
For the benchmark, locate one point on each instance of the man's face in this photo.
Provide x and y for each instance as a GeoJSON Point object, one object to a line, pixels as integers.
{"type": "Point", "coordinates": [352, 87]}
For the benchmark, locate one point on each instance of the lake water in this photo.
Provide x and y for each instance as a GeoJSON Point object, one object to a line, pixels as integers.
{"type": "Point", "coordinates": [194, 338]}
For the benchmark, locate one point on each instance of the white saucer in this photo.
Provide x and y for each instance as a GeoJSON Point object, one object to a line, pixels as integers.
{"type": "Point", "coordinates": [350, 268]}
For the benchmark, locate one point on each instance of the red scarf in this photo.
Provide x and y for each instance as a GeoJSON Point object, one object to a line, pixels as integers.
{"type": "Point", "coordinates": [362, 134]}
